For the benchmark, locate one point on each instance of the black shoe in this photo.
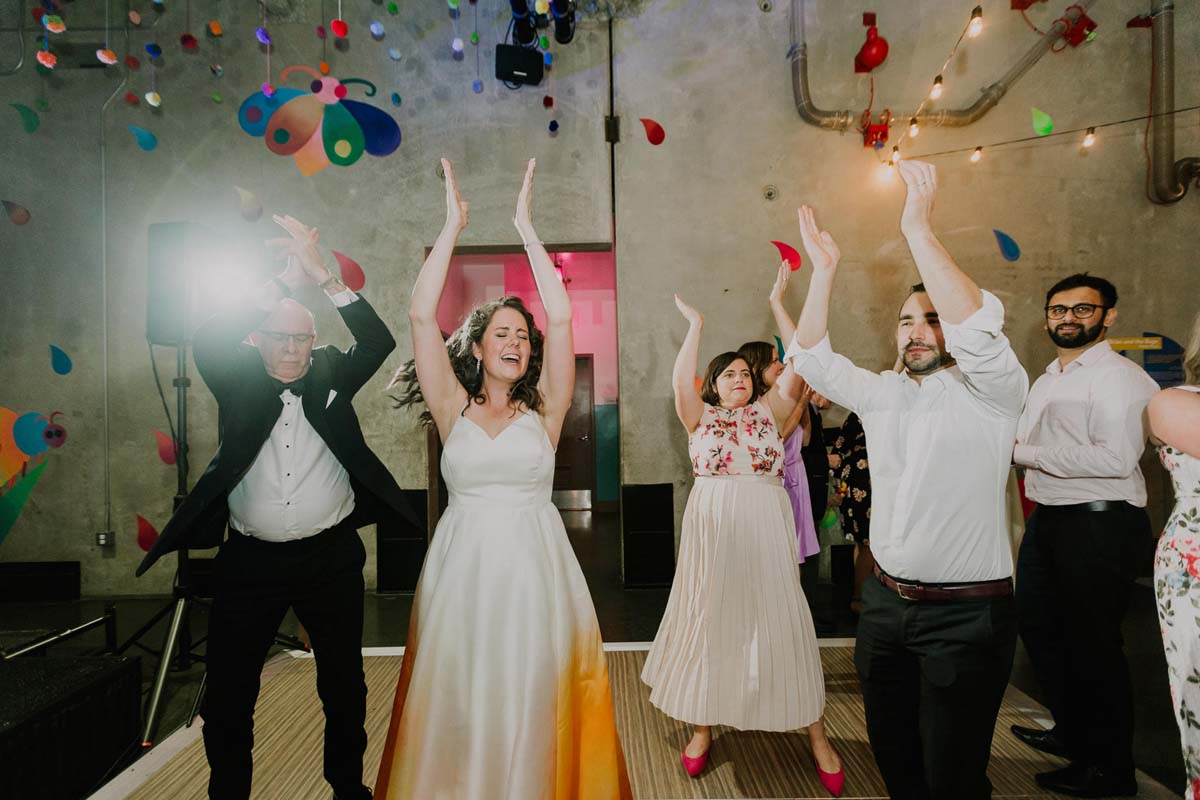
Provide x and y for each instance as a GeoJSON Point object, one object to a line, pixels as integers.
{"type": "Point", "coordinates": [362, 794]}
{"type": "Point", "coordinates": [1080, 781]}
{"type": "Point", "coordinates": [1038, 739]}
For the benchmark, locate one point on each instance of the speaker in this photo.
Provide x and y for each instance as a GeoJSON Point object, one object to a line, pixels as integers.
{"type": "Point", "coordinates": [517, 64]}
{"type": "Point", "coordinates": [648, 525]}
{"type": "Point", "coordinates": [170, 245]}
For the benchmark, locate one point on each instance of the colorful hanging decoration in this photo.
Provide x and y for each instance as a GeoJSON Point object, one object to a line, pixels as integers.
{"type": "Point", "coordinates": [186, 40]}
{"type": "Point", "coordinates": [250, 206]}
{"type": "Point", "coordinates": [166, 447]}
{"type": "Point", "coordinates": [1008, 247]}
{"type": "Point", "coordinates": [60, 362]}
{"type": "Point", "coordinates": [789, 254]}
{"type": "Point", "coordinates": [106, 57]}
{"type": "Point", "coordinates": [147, 535]}
{"type": "Point", "coordinates": [29, 118]}
{"type": "Point", "coordinates": [320, 128]}
{"type": "Point", "coordinates": [376, 29]}
{"type": "Point", "coordinates": [18, 213]}
{"type": "Point", "coordinates": [338, 26]}
{"type": "Point", "coordinates": [1043, 125]}
{"type": "Point", "coordinates": [654, 132]}
{"type": "Point", "coordinates": [145, 139]}
{"type": "Point", "coordinates": [352, 273]}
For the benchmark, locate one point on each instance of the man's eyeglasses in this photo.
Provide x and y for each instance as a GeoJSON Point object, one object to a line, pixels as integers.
{"type": "Point", "coordinates": [277, 337]}
{"type": "Point", "coordinates": [1079, 311]}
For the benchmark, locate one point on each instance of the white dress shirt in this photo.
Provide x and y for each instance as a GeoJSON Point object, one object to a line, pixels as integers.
{"type": "Point", "coordinates": [296, 487]}
{"type": "Point", "coordinates": [1082, 432]}
{"type": "Point", "coordinates": [940, 450]}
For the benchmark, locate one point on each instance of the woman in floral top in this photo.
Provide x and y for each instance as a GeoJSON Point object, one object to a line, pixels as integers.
{"type": "Point", "coordinates": [1175, 422]}
{"type": "Point", "coordinates": [736, 645]}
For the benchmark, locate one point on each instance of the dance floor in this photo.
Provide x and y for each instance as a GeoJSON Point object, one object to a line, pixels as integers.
{"type": "Point", "coordinates": [287, 751]}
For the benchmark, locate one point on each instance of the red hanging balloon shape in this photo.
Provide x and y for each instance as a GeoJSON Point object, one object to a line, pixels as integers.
{"type": "Point", "coordinates": [352, 273]}
{"type": "Point", "coordinates": [146, 534]}
{"type": "Point", "coordinates": [873, 52]}
{"type": "Point", "coordinates": [166, 447]}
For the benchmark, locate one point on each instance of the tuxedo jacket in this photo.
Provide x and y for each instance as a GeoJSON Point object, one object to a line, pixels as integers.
{"type": "Point", "coordinates": [250, 405]}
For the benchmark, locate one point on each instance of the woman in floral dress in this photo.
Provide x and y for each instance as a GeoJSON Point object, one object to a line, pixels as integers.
{"type": "Point", "coordinates": [736, 645]}
{"type": "Point", "coordinates": [1175, 422]}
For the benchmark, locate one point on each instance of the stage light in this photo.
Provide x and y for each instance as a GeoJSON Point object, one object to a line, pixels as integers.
{"type": "Point", "coordinates": [936, 91]}
{"type": "Point", "coordinates": [523, 31]}
{"type": "Point", "coordinates": [913, 128]}
{"type": "Point", "coordinates": [563, 12]}
{"type": "Point", "coordinates": [976, 24]}
{"type": "Point", "coordinates": [978, 154]}
{"type": "Point", "coordinates": [1090, 139]}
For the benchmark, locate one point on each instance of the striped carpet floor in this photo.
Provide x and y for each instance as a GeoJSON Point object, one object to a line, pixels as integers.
{"type": "Point", "coordinates": [287, 751]}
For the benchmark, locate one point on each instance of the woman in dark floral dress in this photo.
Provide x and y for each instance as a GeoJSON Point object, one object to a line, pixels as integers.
{"type": "Point", "coordinates": [852, 480]}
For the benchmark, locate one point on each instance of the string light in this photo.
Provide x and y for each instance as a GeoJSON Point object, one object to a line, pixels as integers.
{"type": "Point", "coordinates": [913, 128]}
{"type": "Point", "coordinates": [978, 154]}
{"type": "Point", "coordinates": [936, 91]}
{"type": "Point", "coordinates": [976, 24]}
{"type": "Point", "coordinates": [1090, 138]}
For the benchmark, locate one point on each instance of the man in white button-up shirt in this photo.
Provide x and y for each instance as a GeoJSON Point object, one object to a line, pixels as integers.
{"type": "Point", "coordinates": [937, 632]}
{"type": "Point", "coordinates": [1080, 438]}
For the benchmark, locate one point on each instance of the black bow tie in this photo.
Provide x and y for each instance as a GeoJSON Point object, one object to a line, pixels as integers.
{"type": "Point", "coordinates": [296, 387]}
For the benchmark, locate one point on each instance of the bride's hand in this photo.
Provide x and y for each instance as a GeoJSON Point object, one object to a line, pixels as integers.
{"type": "Point", "coordinates": [523, 218]}
{"type": "Point", "coordinates": [456, 207]}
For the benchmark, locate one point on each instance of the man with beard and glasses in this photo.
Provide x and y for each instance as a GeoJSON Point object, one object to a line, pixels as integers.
{"type": "Point", "coordinates": [938, 629]}
{"type": "Point", "coordinates": [1079, 439]}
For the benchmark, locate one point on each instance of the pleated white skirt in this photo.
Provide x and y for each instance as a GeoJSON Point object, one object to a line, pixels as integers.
{"type": "Point", "coordinates": [736, 645]}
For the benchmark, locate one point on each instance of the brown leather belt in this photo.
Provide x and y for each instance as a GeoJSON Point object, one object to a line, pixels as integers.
{"type": "Point", "coordinates": [919, 592]}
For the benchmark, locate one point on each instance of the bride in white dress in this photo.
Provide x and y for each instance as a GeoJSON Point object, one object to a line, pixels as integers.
{"type": "Point", "coordinates": [504, 692]}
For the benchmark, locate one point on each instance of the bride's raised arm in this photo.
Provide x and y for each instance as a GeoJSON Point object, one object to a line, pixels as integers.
{"type": "Point", "coordinates": [444, 395]}
{"type": "Point", "coordinates": [557, 382]}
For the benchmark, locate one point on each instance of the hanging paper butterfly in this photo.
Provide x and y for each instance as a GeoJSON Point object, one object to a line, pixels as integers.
{"type": "Point", "coordinates": [321, 128]}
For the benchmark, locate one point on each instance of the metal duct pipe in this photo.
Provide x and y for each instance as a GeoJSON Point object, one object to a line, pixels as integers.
{"type": "Point", "coordinates": [950, 118]}
{"type": "Point", "coordinates": [1170, 178]}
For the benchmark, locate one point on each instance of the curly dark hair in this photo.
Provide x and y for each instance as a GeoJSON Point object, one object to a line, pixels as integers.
{"type": "Point", "coordinates": [759, 355]}
{"type": "Point", "coordinates": [467, 369]}
{"type": "Point", "coordinates": [708, 389]}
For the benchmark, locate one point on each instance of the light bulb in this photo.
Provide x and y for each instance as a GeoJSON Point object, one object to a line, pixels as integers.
{"type": "Point", "coordinates": [913, 128]}
{"type": "Point", "coordinates": [978, 154]}
{"type": "Point", "coordinates": [976, 24]}
{"type": "Point", "coordinates": [1090, 139]}
{"type": "Point", "coordinates": [936, 91]}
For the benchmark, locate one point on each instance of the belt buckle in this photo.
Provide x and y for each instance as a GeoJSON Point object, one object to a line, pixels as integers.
{"type": "Point", "coordinates": [903, 588]}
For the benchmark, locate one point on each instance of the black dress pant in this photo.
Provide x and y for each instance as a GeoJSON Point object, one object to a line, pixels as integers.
{"type": "Point", "coordinates": [321, 578]}
{"type": "Point", "coordinates": [933, 675]}
{"type": "Point", "coordinates": [1071, 614]}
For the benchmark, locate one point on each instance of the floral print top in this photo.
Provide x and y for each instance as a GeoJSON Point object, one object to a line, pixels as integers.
{"type": "Point", "coordinates": [740, 441]}
{"type": "Point", "coordinates": [1182, 532]}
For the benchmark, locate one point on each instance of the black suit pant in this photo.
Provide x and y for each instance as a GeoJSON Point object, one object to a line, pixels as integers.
{"type": "Point", "coordinates": [321, 578]}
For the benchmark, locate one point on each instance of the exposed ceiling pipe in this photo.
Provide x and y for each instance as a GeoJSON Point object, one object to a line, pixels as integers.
{"type": "Point", "coordinates": [951, 117]}
{"type": "Point", "coordinates": [1170, 178]}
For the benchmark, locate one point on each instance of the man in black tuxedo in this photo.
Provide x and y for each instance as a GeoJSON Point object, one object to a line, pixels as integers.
{"type": "Point", "coordinates": [293, 479]}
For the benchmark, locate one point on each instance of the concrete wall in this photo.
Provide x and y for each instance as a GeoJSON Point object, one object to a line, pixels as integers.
{"type": "Point", "coordinates": [691, 216]}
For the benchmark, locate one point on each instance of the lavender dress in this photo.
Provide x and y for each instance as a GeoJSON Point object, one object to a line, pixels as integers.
{"type": "Point", "coordinates": [795, 481]}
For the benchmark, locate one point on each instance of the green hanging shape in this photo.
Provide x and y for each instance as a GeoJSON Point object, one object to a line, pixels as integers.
{"type": "Point", "coordinates": [545, 42]}
{"type": "Point", "coordinates": [1042, 123]}
{"type": "Point", "coordinates": [216, 97]}
{"type": "Point", "coordinates": [393, 9]}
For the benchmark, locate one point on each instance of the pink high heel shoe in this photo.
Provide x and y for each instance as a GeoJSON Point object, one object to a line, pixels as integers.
{"type": "Point", "coordinates": [833, 781]}
{"type": "Point", "coordinates": [694, 766]}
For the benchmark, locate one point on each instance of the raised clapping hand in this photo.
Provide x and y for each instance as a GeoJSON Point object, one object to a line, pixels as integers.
{"type": "Point", "coordinates": [781, 282]}
{"type": "Point", "coordinates": [823, 252]}
{"type": "Point", "coordinates": [456, 207]}
{"type": "Point", "coordinates": [523, 218]}
{"type": "Point", "coordinates": [921, 180]}
{"type": "Point", "coordinates": [305, 265]}
{"type": "Point", "coordinates": [693, 316]}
